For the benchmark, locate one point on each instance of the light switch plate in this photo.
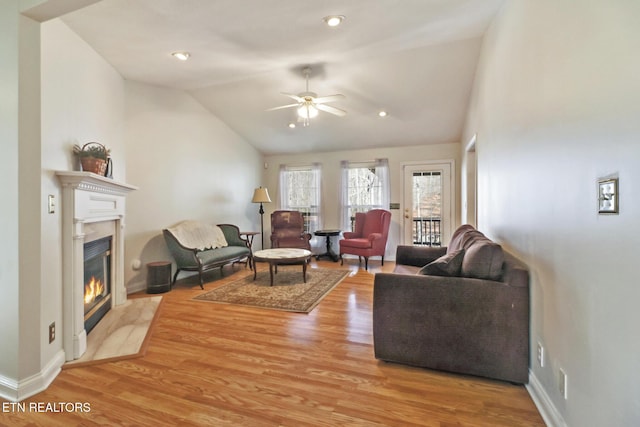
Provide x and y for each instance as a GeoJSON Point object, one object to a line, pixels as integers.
{"type": "Point", "coordinates": [52, 204]}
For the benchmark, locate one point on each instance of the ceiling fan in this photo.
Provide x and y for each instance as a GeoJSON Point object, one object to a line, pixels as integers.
{"type": "Point", "coordinates": [308, 103]}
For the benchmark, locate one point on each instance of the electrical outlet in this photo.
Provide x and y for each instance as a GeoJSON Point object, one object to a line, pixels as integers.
{"type": "Point", "coordinates": [562, 383]}
{"type": "Point", "coordinates": [540, 355]}
{"type": "Point", "coordinates": [52, 332]}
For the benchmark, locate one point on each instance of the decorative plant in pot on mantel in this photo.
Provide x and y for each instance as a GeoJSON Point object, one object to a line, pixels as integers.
{"type": "Point", "coordinates": [94, 157]}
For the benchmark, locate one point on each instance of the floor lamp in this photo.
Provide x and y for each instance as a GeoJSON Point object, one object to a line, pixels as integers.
{"type": "Point", "coordinates": [261, 195]}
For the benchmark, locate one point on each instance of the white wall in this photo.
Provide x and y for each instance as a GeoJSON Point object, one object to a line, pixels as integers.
{"type": "Point", "coordinates": [555, 107]}
{"type": "Point", "coordinates": [10, 214]}
{"type": "Point", "coordinates": [188, 165]}
{"type": "Point", "coordinates": [82, 101]}
{"type": "Point", "coordinates": [331, 177]}
{"type": "Point", "coordinates": [66, 93]}
{"type": "Point", "coordinates": [29, 166]}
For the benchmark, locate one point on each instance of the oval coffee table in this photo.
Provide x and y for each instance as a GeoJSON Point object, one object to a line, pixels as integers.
{"type": "Point", "coordinates": [282, 256]}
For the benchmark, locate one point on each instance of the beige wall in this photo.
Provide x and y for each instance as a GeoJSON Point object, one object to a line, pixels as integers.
{"type": "Point", "coordinates": [188, 165]}
{"type": "Point", "coordinates": [330, 162]}
{"type": "Point", "coordinates": [555, 107]}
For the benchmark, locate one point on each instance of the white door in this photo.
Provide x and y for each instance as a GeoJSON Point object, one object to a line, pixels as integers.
{"type": "Point", "coordinates": [428, 203]}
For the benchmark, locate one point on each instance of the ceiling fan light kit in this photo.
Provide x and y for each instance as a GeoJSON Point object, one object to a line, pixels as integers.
{"type": "Point", "coordinates": [307, 111]}
{"type": "Point", "coordinates": [309, 104]}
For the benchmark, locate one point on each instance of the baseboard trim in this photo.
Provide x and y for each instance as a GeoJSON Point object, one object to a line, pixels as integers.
{"type": "Point", "coordinates": [541, 399]}
{"type": "Point", "coordinates": [134, 287]}
{"type": "Point", "coordinates": [16, 391]}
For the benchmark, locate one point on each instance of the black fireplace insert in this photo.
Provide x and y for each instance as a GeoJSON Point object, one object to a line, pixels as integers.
{"type": "Point", "coordinates": [97, 281]}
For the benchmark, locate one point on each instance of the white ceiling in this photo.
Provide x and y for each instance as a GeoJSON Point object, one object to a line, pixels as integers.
{"type": "Point", "coordinates": [414, 58]}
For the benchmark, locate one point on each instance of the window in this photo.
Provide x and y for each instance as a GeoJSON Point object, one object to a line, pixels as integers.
{"type": "Point", "coordinates": [365, 186]}
{"type": "Point", "coordinates": [300, 191]}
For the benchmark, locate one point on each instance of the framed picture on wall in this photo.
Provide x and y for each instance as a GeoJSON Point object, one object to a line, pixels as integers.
{"type": "Point", "coordinates": [608, 196]}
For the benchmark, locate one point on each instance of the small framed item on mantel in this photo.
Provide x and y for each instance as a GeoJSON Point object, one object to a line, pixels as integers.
{"type": "Point", "coordinates": [608, 196]}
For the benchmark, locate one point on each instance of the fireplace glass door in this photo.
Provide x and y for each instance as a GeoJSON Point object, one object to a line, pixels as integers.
{"type": "Point", "coordinates": [97, 281]}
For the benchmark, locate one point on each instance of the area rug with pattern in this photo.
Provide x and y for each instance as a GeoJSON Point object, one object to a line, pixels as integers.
{"type": "Point", "coordinates": [288, 293]}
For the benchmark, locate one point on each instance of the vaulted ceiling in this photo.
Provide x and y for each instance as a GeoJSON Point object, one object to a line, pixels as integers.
{"type": "Point", "coordinates": [415, 59]}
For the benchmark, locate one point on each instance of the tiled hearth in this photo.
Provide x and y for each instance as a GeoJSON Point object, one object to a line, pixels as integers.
{"type": "Point", "coordinates": [93, 207]}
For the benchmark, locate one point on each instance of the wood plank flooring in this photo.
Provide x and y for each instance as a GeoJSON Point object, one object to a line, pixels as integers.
{"type": "Point", "coordinates": [211, 364]}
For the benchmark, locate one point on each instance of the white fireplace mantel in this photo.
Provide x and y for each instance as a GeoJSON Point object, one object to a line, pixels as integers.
{"type": "Point", "coordinates": [92, 182]}
{"type": "Point", "coordinates": [88, 198]}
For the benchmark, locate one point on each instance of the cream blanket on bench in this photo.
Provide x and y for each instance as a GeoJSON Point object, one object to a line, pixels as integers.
{"type": "Point", "coordinates": [198, 235]}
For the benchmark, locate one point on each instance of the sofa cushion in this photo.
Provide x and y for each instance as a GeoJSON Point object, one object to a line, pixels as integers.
{"type": "Point", "coordinates": [456, 239]}
{"type": "Point", "coordinates": [447, 265]}
{"type": "Point", "coordinates": [483, 259]}
{"type": "Point", "coordinates": [220, 255]}
{"type": "Point", "coordinates": [362, 243]}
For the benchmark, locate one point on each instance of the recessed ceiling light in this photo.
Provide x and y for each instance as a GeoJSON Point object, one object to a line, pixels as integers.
{"type": "Point", "coordinates": [182, 56]}
{"type": "Point", "coordinates": [382, 113]}
{"type": "Point", "coordinates": [333, 20]}
{"type": "Point", "coordinates": [292, 125]}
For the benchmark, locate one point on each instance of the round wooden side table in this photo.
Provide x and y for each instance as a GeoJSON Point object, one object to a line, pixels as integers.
{"type": "Point", "coordinates": [329, 253]}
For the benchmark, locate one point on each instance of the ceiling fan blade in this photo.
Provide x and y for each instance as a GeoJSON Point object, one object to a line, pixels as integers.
{"type": "Point", "coordinates": [328, 98]}
{"type": "Point", "coordinates": [292, 96]}
{"type": "Point", "coordinates": [332, 110]}
{"type": "Point", "coordinates": [282, 106]}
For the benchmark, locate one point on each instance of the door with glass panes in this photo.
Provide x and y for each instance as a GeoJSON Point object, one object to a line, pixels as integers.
{"type": "Point", "coordinates": [427, 214]}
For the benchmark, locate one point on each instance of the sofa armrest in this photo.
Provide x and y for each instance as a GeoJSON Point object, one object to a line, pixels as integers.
{"type": "Point", "coordinates": [232, 235]}
{"type": "Point", "coordinates": [184, 257]}
{"type": "Point", "coordinates": [349, 235]}
{"type": "Point", "coordinates": [418, 256]}
{"type": "Point", "coordinates": [375, 236]}
{"type": "Point", "coordinates": [472, 326]}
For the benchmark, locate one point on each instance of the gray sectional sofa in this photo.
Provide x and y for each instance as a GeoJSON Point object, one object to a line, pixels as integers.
{"type": "Point", "coordinates": [463, 309]}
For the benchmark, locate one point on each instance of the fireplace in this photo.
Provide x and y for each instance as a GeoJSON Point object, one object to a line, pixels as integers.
{"type": "Point", "coordinates": [93, 222]}
{"type": "Point", "coordinates": [97, 281]}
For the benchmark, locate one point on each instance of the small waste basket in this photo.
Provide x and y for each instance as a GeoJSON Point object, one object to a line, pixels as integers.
{"type": "Point", "coordinates": [158, 277]}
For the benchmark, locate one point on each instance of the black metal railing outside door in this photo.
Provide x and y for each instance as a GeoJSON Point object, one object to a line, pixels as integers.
{"type": "Point", "coordinates": [427, 231]}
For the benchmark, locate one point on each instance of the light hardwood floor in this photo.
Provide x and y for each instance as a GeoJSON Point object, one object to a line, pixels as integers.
{"type": "Point", "coordinates": [222, 365]}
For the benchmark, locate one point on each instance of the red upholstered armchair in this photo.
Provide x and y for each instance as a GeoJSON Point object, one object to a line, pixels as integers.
{"type": "Point", "coordinates": [287, 230]}
{"type": "Point", "coordinates": [369, 237]}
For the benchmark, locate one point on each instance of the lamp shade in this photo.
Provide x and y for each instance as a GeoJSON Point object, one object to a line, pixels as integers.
{"type": "Point", "coordinates": [261, 195]}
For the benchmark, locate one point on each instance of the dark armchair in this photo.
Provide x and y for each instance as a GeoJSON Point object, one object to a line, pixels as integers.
{"type": "Point", "coordinates": [287, 230]}
{"type": "Point", "coordinates": [369, 237]}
